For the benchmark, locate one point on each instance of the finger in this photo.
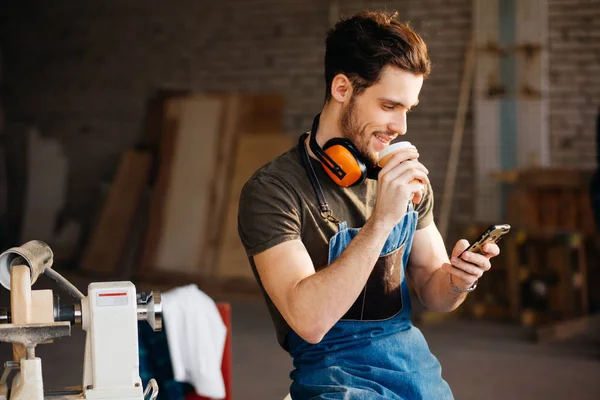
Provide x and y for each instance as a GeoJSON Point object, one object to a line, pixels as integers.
{"type": "Point", "coordinates": [459, 273]}
{"type": "Point", "coordinates": [400, 157]}
{"type": "Point", "coordinates": [414, 173]}
{"type": "Point", "coordinates": [398, 170]}
{"type": "Point", "coordinates": [479, 260]}
{"type": "Point", "coordinates": [491, 250]}
{"type": "Point", "coordinates": [471, 269]}
{"type": "Point", "coordinates": [459, 247]}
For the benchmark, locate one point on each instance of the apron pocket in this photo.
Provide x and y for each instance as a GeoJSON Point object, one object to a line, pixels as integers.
{"type": "Point", "coordinates": [381, 297]}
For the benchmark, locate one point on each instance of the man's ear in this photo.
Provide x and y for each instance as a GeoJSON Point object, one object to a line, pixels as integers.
{"type": "Point", "coordinates": [341, 88]}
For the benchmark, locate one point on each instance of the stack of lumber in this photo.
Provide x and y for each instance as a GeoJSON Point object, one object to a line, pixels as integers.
{"type": "Point", "coordinates": [541, 278]}
{"type": "Point", "coordinates": [198, 152]}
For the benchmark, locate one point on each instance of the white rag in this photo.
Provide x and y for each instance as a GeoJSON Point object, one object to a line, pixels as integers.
{"type": "Point", "coordinates": [196, 337]}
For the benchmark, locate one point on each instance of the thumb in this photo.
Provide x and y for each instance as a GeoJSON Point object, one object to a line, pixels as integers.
{"type": "Point", "coordinates": [459, 247]}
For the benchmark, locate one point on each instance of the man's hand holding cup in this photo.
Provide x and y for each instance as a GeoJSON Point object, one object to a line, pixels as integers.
{"type": "Point", "coordinates": [407, 154]}
{"type": "Point", "coordinates": [402, 179]}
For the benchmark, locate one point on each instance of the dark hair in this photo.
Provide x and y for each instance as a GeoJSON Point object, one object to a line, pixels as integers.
{"type": "Point", "coordinates": [361, 45]}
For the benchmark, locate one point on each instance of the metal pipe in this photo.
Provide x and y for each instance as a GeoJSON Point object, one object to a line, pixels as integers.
{"type": "Point", "coordinates": [65, 284]}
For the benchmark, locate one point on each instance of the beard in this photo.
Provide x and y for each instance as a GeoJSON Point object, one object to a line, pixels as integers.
{"type": "Point", "coordinates": [350, 128]}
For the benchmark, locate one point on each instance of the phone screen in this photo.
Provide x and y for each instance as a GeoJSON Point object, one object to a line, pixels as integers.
{"type": "Point", "coordinates": [491, 235]}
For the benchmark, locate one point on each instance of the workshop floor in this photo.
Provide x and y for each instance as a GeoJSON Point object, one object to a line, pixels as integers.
{"type": "Point", "coordinates": [480, 360]}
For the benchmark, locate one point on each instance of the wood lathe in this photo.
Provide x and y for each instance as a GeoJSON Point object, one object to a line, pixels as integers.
{"type": "Point", "coordinates": [108, 314]}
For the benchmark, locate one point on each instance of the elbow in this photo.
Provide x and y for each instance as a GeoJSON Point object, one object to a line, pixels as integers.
{"type": "Point", "coordinates": [310, 331]}
{"type": "Point", "coordinates": [311, 335]}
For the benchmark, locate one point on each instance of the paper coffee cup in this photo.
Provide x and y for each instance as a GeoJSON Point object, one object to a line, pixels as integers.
{"type": "Point", "coordinates": [386, 154]}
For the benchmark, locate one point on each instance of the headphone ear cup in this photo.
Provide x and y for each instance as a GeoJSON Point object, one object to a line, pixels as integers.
{"type": "Point", "coordinates": [344, 154]}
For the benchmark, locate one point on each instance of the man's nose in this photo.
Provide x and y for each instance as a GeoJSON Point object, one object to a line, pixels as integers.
{"type": "Point", "coordinates": [398, 125]}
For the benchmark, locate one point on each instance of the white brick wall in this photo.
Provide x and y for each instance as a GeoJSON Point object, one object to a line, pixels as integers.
{"type": "Point", "coordinates": [83, 71]}
{"type": "Point", "coordinates": [574, 80]}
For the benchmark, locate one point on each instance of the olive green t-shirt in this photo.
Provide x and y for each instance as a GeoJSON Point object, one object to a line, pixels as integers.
{"type": "Point", "coordinates": [278, 203]}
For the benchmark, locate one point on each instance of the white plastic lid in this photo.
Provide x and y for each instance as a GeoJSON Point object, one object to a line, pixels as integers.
{"type": "Point", "coordinates": [395, 147]}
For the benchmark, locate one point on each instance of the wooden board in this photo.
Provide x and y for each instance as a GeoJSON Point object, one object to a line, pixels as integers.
{"type": "Point", "coordinates": [262, 113]}
{"type": "Point", "coordinates": [42, 306]}
{"type": "Point", "coordinates": [187, 181]}
{"type": "Point", "coordinates": [172, 110]}
{"type": "Point", "coordinates": [253, 151]}
{"type": "Point", "coordinates": [221, 178]}
{"type": "Point", "coordinates": [20, 303]}
{"type": "Point", "coordinates": [110, 237]}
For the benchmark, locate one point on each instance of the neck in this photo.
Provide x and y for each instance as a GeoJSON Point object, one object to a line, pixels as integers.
{"type": "Point", "coordinates": [329, 126]}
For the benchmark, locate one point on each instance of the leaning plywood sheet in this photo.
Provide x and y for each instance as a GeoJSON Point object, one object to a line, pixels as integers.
{"type": "Point", "coordinates": [170, 124]}
{"type": "Point", "coordinates": [262, 113]}
{"type": "Point", "coordinates": [221, 178]}
{"type": "Point", "coordinates": [182, 234]}
{"type": "Point", "coordinates": [253, 151]}
{"type": "Point", "coordinates": [109, 239]}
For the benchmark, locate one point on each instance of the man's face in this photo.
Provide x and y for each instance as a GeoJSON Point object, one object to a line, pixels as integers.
{"type": "Point", "coordinates": [378, 115]}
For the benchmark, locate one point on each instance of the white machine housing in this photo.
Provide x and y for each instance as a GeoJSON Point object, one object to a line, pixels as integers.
{"type": "Point", "coordinates": [111, 367]}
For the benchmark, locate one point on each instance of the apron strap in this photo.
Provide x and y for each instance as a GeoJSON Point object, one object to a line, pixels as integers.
{"type": "Point", "coordinates": [314, 181]}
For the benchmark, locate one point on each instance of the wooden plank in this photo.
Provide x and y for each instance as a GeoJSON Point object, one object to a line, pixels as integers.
{"type": "Point", "coordinates": [42, 306]}
{"type": "Point", "coordinates": [154, 121]}
{"type": "Point", "coordinates": [183, 232]}
{"type": "Point", "coordinates": [172, 112]}
{"type": "Point", "coordinates": [587, 222]}
{"type": "Point", "coordinates": [20, 303]}
{"type": "Point", "coordinates": [254, 150]}
{"type": "Point", "coordinates": [457, 137]}
{"type": "Point", "coordinates": [109, 239]}
{"type": "Point", "coordinates": [513, 267]}
{"type": "Point", "coordinates": [262, 113]}
{"type": "Point", "coordinates": [221, 178]}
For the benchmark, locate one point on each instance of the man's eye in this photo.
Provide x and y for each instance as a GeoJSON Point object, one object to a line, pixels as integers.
{"type": "Point", "coordinates": [388, 108]}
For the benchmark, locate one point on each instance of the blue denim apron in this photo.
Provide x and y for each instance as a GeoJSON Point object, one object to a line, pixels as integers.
{"type": "Point", "coordinates": [374, 351]}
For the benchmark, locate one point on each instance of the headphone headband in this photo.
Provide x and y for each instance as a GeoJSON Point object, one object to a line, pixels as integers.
{"type": "Point", "coordinates": [318, 151]}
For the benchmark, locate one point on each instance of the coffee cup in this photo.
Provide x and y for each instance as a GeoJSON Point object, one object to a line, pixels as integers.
{"type": "Point", "coordinates": [386, 154]}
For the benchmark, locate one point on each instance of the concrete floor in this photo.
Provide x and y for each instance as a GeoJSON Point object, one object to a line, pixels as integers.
{"type": "Point", "coordinates": [480, 360]}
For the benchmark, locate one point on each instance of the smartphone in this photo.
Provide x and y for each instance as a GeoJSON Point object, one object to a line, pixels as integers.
{"type": "Point", "coordinates": [491, 235]}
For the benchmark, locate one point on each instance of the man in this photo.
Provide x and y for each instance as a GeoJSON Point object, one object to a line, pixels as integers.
{"type": "Point", "coordinates": [331, 249]}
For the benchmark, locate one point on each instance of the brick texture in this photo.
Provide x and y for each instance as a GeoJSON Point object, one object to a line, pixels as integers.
{"type": "Point", "coordinates": [82, 71]}
{"type": "Point", "coordinates": [574, 80]}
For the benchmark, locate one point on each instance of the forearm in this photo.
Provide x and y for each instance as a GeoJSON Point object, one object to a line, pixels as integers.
{"type": "Point", "coordinates": [437, 293]}
{"type": "Point", "coordinates": [321, 299]}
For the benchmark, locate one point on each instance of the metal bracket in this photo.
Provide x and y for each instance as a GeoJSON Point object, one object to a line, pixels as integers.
{"type": "Point", "coordinates": [9, 366]}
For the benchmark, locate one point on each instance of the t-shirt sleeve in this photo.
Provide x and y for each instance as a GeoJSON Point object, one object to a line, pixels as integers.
{"type": "Point", "coordinates": [425, 209]}
{"type": "Point", "coordinates": [268, 214]}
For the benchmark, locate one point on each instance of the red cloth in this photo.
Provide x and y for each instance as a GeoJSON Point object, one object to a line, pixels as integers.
{"type": "Point", "coordinates": [225, 311]}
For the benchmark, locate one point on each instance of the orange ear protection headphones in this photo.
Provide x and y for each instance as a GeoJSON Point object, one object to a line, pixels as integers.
{"type": "Point", "coordinates": [341, 160]}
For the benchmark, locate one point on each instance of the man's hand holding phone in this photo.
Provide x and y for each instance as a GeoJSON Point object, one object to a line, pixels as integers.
{"type": "Point", "coordinates": [469, 262]}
